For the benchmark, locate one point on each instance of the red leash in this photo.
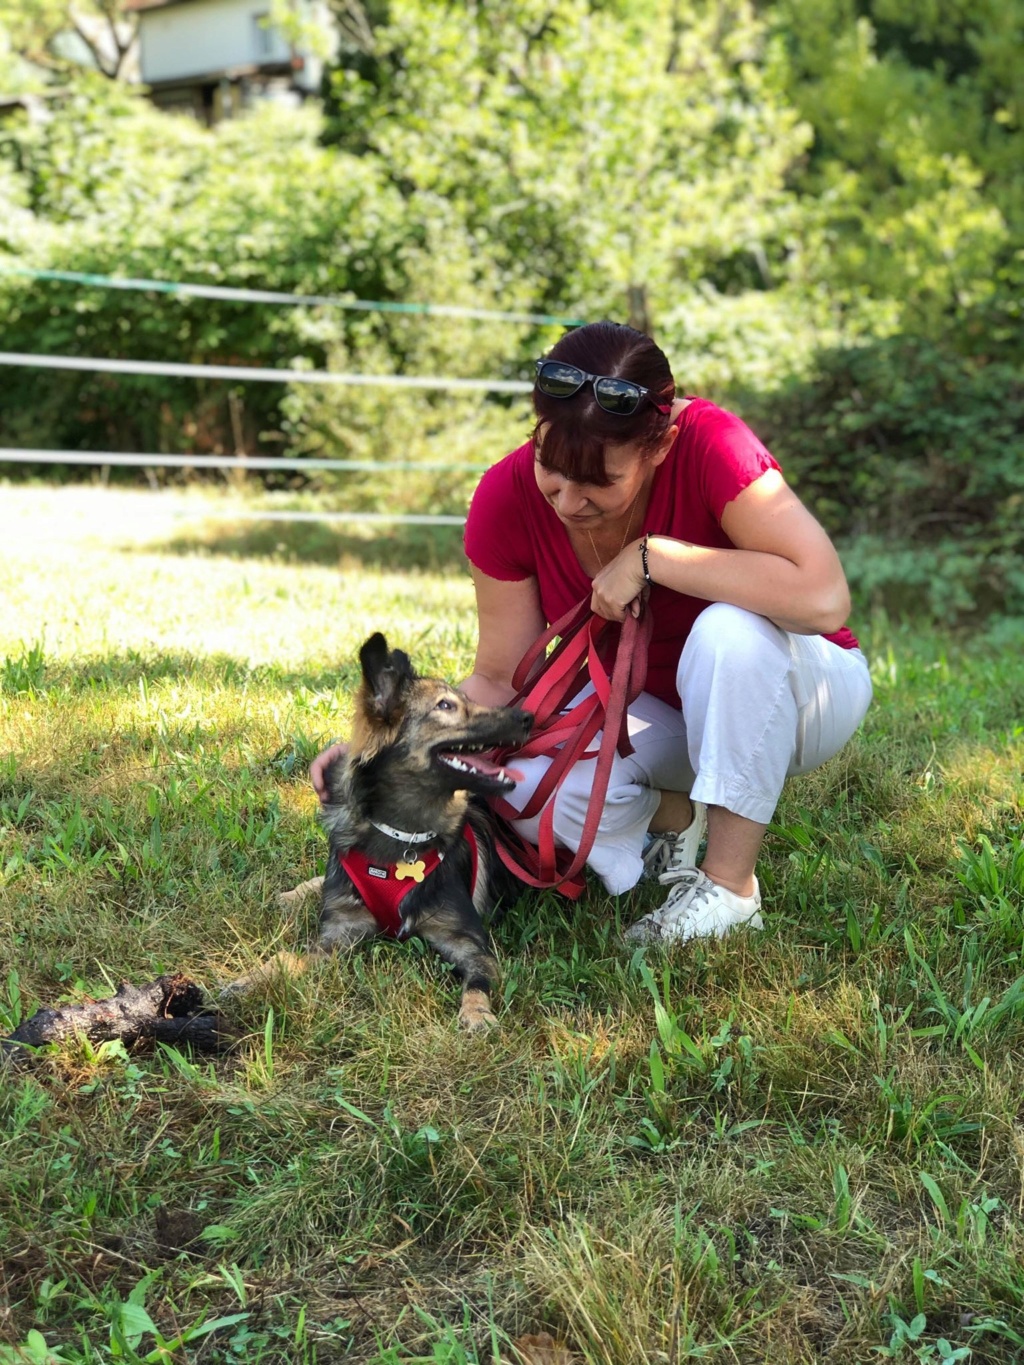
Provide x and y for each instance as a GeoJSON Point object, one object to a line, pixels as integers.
{"type": "Point", "coordinates": [547, 687]}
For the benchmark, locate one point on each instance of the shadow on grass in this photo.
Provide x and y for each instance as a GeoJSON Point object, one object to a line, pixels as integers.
{"type": "Point", "coordinates": [399, 548]}
{"type": "Point", "coordinates": [128, 668]}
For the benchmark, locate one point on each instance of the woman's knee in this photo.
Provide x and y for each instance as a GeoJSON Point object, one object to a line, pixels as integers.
{"type": "Point", "coordinates": [724, 635]}
{"type": "Point", "coordinates": [626, 806]}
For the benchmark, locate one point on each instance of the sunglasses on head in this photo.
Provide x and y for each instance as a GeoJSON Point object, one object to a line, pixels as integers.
{"type": "Point", "coordinates": [619, 396]}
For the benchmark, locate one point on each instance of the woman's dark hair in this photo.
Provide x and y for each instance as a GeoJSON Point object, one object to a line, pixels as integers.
{"type": "Point", "coordinates": [576, 430]}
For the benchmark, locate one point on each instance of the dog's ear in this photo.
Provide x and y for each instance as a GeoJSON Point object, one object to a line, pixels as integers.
{"type": "Point", "coordinates": [386, 675]}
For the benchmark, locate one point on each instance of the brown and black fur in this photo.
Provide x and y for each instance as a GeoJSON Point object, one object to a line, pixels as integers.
{"type": "Point", "coordinates": [396, 772]}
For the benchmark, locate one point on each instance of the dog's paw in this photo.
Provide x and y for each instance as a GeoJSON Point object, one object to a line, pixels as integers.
{"type": "Point", "coordinates": [286, 900]}
{"type": "Point", "coordinates": [283, 966]}
{"type": "Point", "coordinates": [476, 1015]}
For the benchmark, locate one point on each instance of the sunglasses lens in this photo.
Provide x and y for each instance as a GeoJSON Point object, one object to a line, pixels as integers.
{"type": "Point", "coordinates": [617, 395]}
{"type": "Point", "coordinates": [559, 381]}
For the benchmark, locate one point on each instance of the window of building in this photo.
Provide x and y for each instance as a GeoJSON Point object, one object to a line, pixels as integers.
{"type": "Point", "coordinates": [263, 36]}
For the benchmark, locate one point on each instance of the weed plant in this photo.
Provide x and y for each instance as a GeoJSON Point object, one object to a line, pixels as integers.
{"type": "Point", "coordinates": [797, 1146]}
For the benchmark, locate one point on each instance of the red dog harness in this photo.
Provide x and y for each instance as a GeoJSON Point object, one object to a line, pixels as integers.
{"type": "Point", "coordinates": [384, 886]}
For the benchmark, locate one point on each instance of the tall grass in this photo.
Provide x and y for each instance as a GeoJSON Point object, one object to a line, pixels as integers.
{"type": "Point", "coordinates": [796, 1146]}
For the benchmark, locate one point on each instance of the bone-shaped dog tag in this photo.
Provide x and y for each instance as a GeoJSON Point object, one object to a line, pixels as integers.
{"type": "Point", "coordinates": [417, 870]}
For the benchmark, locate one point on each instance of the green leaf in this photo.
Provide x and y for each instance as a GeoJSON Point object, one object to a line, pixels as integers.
{"type": "Point", "coordinates": [937, 1197]}
{"type": "Point", "coordinates": [134, 1322]}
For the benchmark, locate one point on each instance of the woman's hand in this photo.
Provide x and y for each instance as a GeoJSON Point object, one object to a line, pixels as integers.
{"type": "Point", "coordinates": [319, 766]}
{"type": "Point", "coordinates": [617, 588]}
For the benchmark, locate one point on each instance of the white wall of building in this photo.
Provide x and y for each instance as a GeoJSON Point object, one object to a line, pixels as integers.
{"type": "Point", "coordinates": [207, 36]}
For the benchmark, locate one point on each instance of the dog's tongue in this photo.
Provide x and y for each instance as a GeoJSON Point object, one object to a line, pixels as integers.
{"type": "Point", "coordinates": [487, 766]}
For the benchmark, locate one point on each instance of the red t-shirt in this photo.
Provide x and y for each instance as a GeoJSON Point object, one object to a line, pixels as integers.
{"type": "Point", "coordinates": [512, 533]}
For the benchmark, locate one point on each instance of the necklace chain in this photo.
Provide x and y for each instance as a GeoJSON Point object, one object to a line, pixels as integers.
{"type": "Point", "coordinates": [625, 534]}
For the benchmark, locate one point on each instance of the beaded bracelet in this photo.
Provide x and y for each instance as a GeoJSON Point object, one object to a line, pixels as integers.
{"type": "Point", "coordinates": [643, 560]}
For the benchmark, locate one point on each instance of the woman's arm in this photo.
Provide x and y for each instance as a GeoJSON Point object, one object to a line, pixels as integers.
{"type": "Point", "coordinates": [509, 618]}
{"type": "Point", "coordinates": [784, 566]}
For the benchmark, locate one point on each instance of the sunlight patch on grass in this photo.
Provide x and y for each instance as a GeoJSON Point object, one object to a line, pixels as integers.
{"type": "Point", "coordinates": [776, 1147]}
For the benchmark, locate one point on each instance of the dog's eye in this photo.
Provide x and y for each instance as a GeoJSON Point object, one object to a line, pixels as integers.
{"type": "Point", "coordinates": [446, 704]}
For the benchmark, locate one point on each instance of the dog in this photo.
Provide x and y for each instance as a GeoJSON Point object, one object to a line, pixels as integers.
{"type": "Point", "coordinates": [410, 836]}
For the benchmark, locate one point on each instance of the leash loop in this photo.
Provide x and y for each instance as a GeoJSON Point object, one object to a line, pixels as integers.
{"type": "Point", "coordinates": [612, 660]}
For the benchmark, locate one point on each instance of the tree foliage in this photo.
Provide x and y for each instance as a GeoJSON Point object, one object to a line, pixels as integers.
{"type": "Point", "coordinates": [600, 152]}
{"type": "Point", "coordinates": [121, 189]}
{"type": "Point", "coordinates": [817, 205]}
{"type": "Point", "coordinates": [911, 454]}
{"type": "Point", "coordinates": [56, 37]}
{"type": "Point", "coordinates": [915, 182]}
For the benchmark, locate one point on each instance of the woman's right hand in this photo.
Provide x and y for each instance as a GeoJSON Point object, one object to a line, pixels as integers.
{"type": "Point", "coordinates": [319, 766]}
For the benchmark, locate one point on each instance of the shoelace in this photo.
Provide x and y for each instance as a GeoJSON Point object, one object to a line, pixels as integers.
{"type": "Point", "coordinates": [657, 854]}
{"type": "Point", "coordinates": [691, 886]}
{"type": "Point", "coordinates": [660, 860]}
{"type": "Point", "coordinates": [678, 872]}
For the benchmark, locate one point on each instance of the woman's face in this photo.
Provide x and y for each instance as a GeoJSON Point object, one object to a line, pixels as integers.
{"type": "Point", "coordinates": [590, 506]}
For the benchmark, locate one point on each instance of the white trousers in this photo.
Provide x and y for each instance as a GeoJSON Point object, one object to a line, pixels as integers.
{"type": "Point", "coordinates": [758, 705]}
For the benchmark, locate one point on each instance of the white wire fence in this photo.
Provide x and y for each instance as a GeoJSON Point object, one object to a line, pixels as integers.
{"type": "Point", "coordinates": [236, 463]}
{"type": "Point", "coordinates": [258, 374]}
{"type": "Point", "coordinates": [189, 289]}
{"type": "Point", "coordinates": [255, 463]}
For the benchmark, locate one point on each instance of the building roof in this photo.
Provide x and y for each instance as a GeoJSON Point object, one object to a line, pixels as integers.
{"type": "Point", "coordinates": [152, 4]}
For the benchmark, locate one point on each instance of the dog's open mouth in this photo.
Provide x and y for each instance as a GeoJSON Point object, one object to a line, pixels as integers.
{"type": "Point", "coordinates": [476, 761]}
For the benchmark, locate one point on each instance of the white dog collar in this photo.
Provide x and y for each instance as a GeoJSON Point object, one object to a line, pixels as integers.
{"type": "Point", "coordinates": [422, 836]}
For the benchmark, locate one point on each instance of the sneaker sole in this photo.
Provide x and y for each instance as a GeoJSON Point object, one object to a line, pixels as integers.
{"type": "Point", "coordinates": [636, 934]}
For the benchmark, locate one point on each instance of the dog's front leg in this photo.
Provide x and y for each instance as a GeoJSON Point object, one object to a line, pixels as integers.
{"type": "Point", "coordinates": [284, 964]}
{"type": "Point", "coordinates": [344, 922]}
{"type": "Point", "coordinates": [475, 1013]}
{"type": "Point", "coordinates": [457, 935]}
{"type": "Point", "coordinates": [344, 919]}
{"type": "Point", "coordinates": [287, 899]}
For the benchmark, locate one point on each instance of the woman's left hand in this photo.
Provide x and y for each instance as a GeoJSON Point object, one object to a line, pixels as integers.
{"type": "Point", "coordinates": [617, 588]}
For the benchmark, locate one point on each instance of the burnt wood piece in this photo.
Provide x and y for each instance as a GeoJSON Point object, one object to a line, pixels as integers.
{"type": "Point", "coordinates": [170, 1009]}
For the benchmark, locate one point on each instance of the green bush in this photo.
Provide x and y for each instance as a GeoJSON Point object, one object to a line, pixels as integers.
{"type": "Point", "coordinates": [913, 457]}
{"type": "Point", "coordinates": [817, 207]}
{"type": "Point", "coordinates": [255, 202]}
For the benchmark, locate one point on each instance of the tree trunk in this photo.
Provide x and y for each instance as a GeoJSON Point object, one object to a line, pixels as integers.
{"type": "Point", "coordinates": [639, 312]}
{"type": "Point", "coordinates": [169, 1010]}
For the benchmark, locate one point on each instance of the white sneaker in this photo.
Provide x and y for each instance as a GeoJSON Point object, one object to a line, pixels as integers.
{"type": "Point", "coordinates": [673, 857]}
{"type": "Point", "coordinates": [697, 907]}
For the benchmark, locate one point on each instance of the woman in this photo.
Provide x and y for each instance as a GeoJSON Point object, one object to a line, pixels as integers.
{"type": "Point", "coordinates": [752, 674]}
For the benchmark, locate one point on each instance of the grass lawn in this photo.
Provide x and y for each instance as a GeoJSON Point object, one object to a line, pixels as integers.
{"type": "Point", "coordinates": [802, 1145]}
